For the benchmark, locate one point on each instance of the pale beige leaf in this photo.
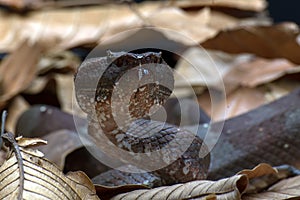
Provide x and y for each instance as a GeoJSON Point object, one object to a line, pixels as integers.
{"type": "Point", "coordinates": [37, 85]}
{"type": "Point", "coordinates": [230, 188]}
{"type": "Point", "coordinates": [285, 189]}
{"type": "Point", "coordinates": [219, 20]}
{"type": "Point", "coordinates": [192, 28]}
{"type": "Point", "coordinates": [30, 142]}
{"type": "Point", "coordinates": [43, 180]}
{"type": "Point", "coordinates": [61, 28]}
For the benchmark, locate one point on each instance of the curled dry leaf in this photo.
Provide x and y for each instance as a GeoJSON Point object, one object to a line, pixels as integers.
{"type": "Point", "coordinates": [254, 5]}
{"type": "Point", "coordinates": [67, 28]}
{"type": "Point", "coordinates": [260, 177]}
{"type": "Point", "coordinates": [249, 83]}
{"type": "Point", "coordinates": [285, 189]}
{"type": "Point", "coordinates": [259, 170]}
{"type": "Point", "coordinates": [30, 142]}
{"type": "Point", "coordinates": [267, 180]}
{"type": "Point", "coordinates": [42, 179]}
{"type": "Point", "coordinates": [263, 174]}
{"type": "Point", "coordinates": [230, 188]}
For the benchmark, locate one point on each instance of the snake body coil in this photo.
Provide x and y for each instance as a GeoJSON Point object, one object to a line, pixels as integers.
{"type": "Point", "coordinates": [119, 93]}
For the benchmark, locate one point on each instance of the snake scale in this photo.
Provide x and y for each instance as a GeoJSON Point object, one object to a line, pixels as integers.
{"type": "Point", "coordinates": [119, 92]}
{"type": "Point", "coordinates": [267, 134]}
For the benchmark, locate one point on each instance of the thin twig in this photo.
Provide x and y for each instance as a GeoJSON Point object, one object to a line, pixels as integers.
{"type": "Point", "coordinates": [14, 145]}
{"type": "Point", "coordinates": [4, 114]}
{"type": "Point", "coordinates": [9, 137]}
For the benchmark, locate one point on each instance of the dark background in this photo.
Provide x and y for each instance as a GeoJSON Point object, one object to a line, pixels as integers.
{"type": "Point", "coordinates": [287, 10]}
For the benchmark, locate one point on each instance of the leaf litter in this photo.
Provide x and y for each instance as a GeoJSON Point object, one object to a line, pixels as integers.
{"type": "Point", "coordinates": [257, 60]}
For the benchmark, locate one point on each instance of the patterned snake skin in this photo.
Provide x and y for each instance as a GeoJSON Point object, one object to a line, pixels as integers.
{"type": "Point", "coordinates": [119, 93]}
{"type": "Point", "coordinates": [269, 134]}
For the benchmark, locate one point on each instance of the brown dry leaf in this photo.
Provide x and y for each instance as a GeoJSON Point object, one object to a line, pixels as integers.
{"type": "Point", "coordinates": [267, 176]}
{"type": "Point", "coordinates": [257, 71]}
{"type": "Point", "coordinates": [175, 23]}
{"type": "Point", "coordinates": [280, 88]}
{"type": "Point", "coordinates": [61, 86]}
{"type": "Point", "coordinates": [42, 178]}
{"type": "Point", "coordinates": [21, 5]}
{"type": "Point", "coordinates": [253, 5]}
{"type": "Point", "coordinates": [244, 99]}
{"type": "Point", "coordinates": [18, 70]}
{"type": "Point", "coordinates": [63, 28]}
{"type": "Point", "coordinates": [199, 67]}
{"type": "Point", "coordinates": [13, 3]}
{"type": "Point", "coordinates": [260, 170]}
{"type": "Point", "coordinates": [15, 110]}
{"type": "Point", "coordinates": [67, 28]}
{"type": "Point", "coordinates": [230, 188]}
{"type": "Point", "coordinates": [241, 80]}
{"type": "Point", "coordinates": [66, 94]}
{"type": "Point", "coordinates": [240, 101]}
{"type": "Point", "coordinates": [192, 28]}
{"type": "Point", "coordinates": [219, 21]}
{"type": "Point", "coordinates": [58, 62]}
{"type": "Point", "coordinates": [285, 189]}
{"type": "Point", "coordinates": [276, 41]}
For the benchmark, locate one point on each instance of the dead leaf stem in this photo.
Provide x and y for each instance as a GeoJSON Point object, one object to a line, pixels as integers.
{"type": "Point", "coordinates": [9, 137]}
